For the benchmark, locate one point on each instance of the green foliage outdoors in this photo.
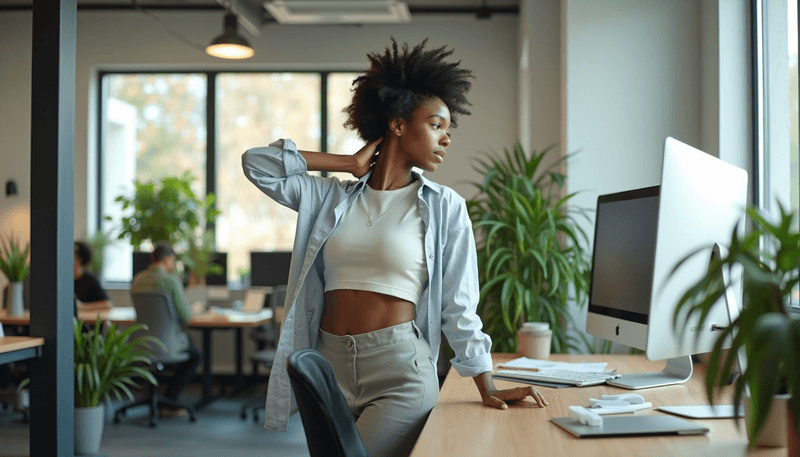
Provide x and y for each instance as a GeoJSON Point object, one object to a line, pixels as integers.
{"type": "Point", "coordinates": [98, 242]}
{"type": "Point", "coordinates": [168, 212]}
{"type": "Point", "coordinates": [765, 328]}
{"type": "Point", "coordinates": [109, 364]}
{"type": "Point", "coordinates": [531, 256]}
{"type": "Point", "coordinates": [14, 259]}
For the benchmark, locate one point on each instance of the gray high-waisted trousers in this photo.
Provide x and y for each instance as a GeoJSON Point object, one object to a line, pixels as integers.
{"type": "Point", "coordinates": [389, 382]}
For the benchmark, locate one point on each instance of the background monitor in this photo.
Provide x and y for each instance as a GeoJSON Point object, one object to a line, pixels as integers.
{"type": "Point", "coordinates": [221, 259]}
{"type": "Point", "coordinates": [141, 260]}
{"type": "Point", "coordinates": [700, 201]}
{"type": "Point", "coordinates": [269, 268]}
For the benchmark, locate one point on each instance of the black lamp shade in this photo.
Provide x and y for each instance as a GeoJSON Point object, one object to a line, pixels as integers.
{"type": "Point", "coordinates": [230, 45]}
{"type": "Point", "coordinates": [11, 188]}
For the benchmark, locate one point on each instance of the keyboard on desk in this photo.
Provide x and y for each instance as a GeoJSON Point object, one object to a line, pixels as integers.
{"type": "Point", "coordinates": [577, 378]}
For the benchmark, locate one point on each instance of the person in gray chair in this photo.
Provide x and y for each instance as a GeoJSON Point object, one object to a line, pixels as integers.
{"type": "Point", "coordinates": [160, 276]}
{"type": "Point", "coordinates": [382, 265]}
{"type": "Point", "coordinates": [89, 294]}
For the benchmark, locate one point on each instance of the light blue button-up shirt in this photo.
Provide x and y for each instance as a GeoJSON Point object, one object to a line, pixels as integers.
{"type": "Point", "coordinates": [449, 300]}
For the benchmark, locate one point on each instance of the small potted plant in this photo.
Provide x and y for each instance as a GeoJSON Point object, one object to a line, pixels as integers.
{"type": "Point", "coordinates": [14, 264]}
{"type": "Point", "coordinates": [768, 257]}
{"type": "Point", "coordinates": [105, 365]}
{"type": "Point", "coordinates": [199, 260]}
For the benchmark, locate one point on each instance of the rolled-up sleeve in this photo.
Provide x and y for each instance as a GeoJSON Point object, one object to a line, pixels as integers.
{"type": "Point", "coordinates": [460, 295]}
{"type": "Point", "coordinates": [278, 170]}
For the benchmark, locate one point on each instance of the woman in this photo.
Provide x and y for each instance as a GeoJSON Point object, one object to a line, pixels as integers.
{"type": "Point", "coordinates": [381, 266]}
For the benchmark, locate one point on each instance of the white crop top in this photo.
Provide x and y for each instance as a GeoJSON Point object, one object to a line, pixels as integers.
{"type": "Point", "coordinates": [378, 245]}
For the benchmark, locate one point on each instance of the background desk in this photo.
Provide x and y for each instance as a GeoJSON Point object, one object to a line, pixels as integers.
{"type": "Point", "coordinates": [204, 322]}
{"type": "Point", "coordinates": [460, 425]}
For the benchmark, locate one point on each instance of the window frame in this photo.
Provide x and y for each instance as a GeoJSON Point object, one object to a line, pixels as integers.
{"type": "Point", "coordinates": [211, 124]}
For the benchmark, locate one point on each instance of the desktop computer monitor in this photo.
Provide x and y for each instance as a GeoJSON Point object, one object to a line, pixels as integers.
{"type": "Point", "coordinates": [221, 259]}
{"type": "Point", "coordinates": [640, 237]}
{"type": "Point", "coordinates": [141, 260]}
{"type": "Point", "coordinates": [269, 268]}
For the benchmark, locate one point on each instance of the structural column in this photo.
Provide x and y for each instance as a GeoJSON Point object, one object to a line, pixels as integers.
{"type": "Point", "coordinates": [52, 157]}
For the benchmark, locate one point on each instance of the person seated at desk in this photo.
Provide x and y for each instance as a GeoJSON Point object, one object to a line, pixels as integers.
{"type": "Point", "coordinates": [159, 276]}
{"type": "Point", "coordinates": [88, 291]}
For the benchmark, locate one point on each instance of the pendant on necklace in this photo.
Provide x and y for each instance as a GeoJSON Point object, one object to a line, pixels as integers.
{"type": "Point", "coordinates": [369, 224]}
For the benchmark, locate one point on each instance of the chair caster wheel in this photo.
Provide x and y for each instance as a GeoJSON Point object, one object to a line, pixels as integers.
{"type": "Point", "coordinates": [152, 424]}
{"type": "Point", "coordinates": [243, 415]}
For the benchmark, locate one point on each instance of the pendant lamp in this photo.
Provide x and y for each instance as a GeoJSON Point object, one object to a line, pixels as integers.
{"type": "Point", "coordinates": [230, 45]}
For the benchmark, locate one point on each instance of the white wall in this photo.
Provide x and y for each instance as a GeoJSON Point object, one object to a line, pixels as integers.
{"type": "Point", "coordinates": [130, 40]}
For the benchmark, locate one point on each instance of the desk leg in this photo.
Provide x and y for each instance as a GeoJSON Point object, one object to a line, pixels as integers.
{"type": "Point", "coordinates": [207, 376]}
{"type": "Point", "coordinates": [239, 350]}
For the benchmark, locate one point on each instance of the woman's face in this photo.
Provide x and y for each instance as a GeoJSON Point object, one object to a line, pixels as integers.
{"type": "Point", "coordinates": [424, 137]}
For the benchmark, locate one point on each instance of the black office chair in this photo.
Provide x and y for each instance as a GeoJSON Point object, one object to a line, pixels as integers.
{"type": "Point", "coordinates": [155, 310]}
{"type": "Point", "coordinates": [329, 425]}
{"type": "Point", "coordinates": [267, 341]}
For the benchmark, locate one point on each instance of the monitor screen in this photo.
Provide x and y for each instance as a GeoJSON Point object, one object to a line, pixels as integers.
{"type": "Point", "coordinates": [624, 251]}
{"type": "Point", "coordinates": [221, 259]}
{"type": "Point", "coordinates": [270, 268]}
{"type": "Point", "coordinates": [141, 260]}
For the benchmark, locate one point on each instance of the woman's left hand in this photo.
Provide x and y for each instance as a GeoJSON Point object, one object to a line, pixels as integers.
{"type": "Point", "coordinates": [499, 398]}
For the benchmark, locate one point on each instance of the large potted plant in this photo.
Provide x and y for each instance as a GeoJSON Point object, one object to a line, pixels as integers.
{"type": "Point", "coordinates": [768, 257]}
{"type": "Point", "coordinates": [532, 260]}
{"type": "Point", "coordinates": [14, 264]}
{"type": "Point", "coordinates": [170, 212]}
{"type": "Point", "coordinates": [105, 365]}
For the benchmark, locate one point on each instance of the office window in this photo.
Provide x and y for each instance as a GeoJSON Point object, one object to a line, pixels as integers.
{"type": "Point", "coordinates": [775, 78]}
{"type": "Point", "coordinates": [254, 110]}
{"type": "Point", "coordinates": [155, 124]}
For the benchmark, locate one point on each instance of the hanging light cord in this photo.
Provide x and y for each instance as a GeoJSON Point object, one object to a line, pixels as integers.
{"type": "Point", "coordinates": [166, 27]}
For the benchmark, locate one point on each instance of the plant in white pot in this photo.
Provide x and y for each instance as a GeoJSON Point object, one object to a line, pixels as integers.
{"type": "Point", "coordinates": [105, 365]}
{"type": "Point", "coordinates": [768, 257]}
{"type": "Point", "coordinates": [14, 264]}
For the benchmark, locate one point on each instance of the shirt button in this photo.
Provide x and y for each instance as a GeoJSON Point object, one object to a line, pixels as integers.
{"type": "Point", "coordinates": [349, 344]}
{"type": "Point", "coordinates": [430, 256]}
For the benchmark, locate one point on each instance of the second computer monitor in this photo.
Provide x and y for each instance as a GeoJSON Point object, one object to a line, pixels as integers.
{"type": "Point", "coordinates": [269, 268]}
{"type": "Point", "coordinates": [635, 288]}
{"type": "Point", "coordinates": [221, 279]}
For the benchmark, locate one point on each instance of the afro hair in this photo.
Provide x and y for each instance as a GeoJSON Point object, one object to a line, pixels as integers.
{"type": "Point", "coordinates": [399, 81]}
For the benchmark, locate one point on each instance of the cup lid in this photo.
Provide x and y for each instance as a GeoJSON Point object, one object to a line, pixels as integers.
{"type": "Point", "coordinates": [536, 326]}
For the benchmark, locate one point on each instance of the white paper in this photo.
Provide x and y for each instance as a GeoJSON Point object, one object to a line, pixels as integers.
{"type": "Point", "coordinates": [524, 362]}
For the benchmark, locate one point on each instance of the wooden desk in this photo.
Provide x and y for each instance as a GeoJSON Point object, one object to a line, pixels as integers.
{"type": "Point", "coordinates": [460, 425]}
{"type": "Point", "coordinates": [15, 348]}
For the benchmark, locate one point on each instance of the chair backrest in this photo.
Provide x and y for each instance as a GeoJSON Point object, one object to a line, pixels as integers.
{"type": "Point", "coordinates": [156, 311]}
{"type": "Point", "coordinates": [329, 425]}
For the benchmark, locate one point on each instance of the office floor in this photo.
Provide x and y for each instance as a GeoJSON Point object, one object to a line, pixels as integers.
{"type": "Point", "coordinates": [218, 431]}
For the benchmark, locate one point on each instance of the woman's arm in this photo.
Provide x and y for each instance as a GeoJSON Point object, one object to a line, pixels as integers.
{"type": "Point", "coordinates": [358, 164]}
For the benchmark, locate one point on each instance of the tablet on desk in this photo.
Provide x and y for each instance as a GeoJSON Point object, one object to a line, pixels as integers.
{"type": "Point", "coordinates": [631, 426]}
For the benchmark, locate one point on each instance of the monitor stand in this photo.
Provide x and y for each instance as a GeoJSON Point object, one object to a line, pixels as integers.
{"type": "Point", "coordinates": [677, 370]}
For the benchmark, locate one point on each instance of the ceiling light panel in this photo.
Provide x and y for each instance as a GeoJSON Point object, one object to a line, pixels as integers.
{"type": "Point", "coordinates": [344, 12]}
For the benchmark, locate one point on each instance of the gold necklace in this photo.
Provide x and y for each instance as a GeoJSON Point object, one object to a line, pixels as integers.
{"type": "Point", "coordinates": [369, 208]}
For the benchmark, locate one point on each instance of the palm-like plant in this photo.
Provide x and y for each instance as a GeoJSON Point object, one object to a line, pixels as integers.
{"type": "Point", "coordinates": [531, 256]}
{"type": "Point", "coordinates": [769, 259]}
{"type": "Point", "coordinates": [106, 365]}
{"type": "Point", "coordinates": [14, 259]}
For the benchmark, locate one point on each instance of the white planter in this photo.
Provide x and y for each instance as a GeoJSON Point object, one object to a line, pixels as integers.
{"type": "Point", "coordinates": [16, 307]}
{"type": "Point", "coordinates": [89, 429]}
{"type": "Point", "coordinates": [774, 433]}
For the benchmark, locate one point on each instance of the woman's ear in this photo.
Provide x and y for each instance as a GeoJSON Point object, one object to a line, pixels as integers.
{"type": "Point", "coordinates": [396, 126]}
